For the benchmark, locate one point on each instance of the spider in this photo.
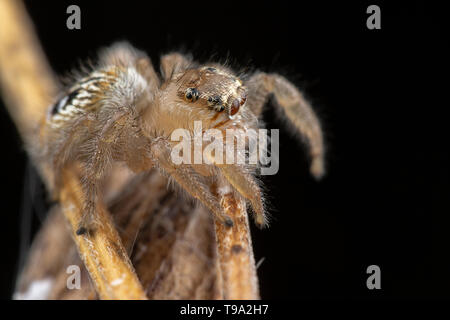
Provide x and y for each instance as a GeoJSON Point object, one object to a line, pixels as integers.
{"type": "Point", "coordinates": [123, 110]}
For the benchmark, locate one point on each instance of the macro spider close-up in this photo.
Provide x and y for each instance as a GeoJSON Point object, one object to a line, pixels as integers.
{"type": "Point", "coordinates": [125, 111]}
{"type": "Point", "coordinates": [221, 151]}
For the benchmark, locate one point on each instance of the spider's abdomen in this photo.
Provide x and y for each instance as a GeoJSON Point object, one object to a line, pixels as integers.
{"type": "Point", "coordinates": [83, 97]}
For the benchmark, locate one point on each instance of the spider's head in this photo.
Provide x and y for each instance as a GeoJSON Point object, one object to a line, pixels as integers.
{"type": "Point", "coordinates": [214, 90]}
{"type": "Point", "coordinates": [210, 94]}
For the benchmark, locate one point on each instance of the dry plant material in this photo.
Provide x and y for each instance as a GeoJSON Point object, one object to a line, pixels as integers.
{"type": "Point", "coordinates": [236, 252]}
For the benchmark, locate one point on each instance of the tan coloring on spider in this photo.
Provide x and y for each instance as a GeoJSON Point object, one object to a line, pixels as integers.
{"type": "Point", "coordinates": [125, 111]}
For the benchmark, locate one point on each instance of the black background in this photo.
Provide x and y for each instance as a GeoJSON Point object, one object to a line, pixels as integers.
{"type": "Point", "coordinates": [381, 95]}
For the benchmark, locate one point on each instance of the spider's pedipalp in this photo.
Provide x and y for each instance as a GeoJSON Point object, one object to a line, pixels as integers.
{"type": "Point", "coordinates": [293, 106]}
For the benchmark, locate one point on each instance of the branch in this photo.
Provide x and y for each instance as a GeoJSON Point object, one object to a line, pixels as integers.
{"type": "Point", "coordinates": [170, 240]}
{"type": "Point", "coordinates": [237, 263]}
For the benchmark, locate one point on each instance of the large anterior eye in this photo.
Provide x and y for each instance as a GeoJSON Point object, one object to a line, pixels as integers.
{"type": "Point", "coordinates": [191, 94]}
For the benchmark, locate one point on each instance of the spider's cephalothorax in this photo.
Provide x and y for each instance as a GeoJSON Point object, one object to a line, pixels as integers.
{"type": "Point", "coordinates": [211, 95]}
{"type": "Point", "coordinates": [125, 111]}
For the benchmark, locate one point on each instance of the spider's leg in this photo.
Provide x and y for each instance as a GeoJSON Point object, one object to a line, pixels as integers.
{"type": "Point", "coordinates": [64, 147]}
{"type": "Point", "coordinates": [135, 154]}
{"type": "Point", "coordinates": [188, 179]}
{"type": "Point", "coordinates": [245, 183]}
{"type": "Point", "coordinates": [93, 174]}
{"type": "Point", "coordinates": [294, 107]}
{"type": "Point", "coordinates": [100, 154]}
{"type": "Point", "coordinates": [173, 63]}
{"type": "Point", "coordinates": [123, 54]}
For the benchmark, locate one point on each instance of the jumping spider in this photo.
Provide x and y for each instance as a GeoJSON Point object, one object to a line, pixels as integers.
{"type": "Point", "coordinates": [124, 111]}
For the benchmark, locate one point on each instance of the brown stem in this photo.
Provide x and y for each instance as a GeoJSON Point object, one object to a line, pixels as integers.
{"type": "Point", "coordinates": [237, 263]}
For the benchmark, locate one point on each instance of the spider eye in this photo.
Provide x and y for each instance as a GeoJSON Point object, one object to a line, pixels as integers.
{"type": "Point", "coordinates": [214, 100]}
{"type": "Point", "coordinates": [191, 94]}
{"type": "Point", "coordinates": [235, 107]}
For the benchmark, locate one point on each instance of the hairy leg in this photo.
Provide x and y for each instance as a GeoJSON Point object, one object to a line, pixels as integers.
{"type": "Point", "coordinates": [187, 178]}
{"type": "Point", "coordinates": [294, 107]}
{"type": "Point", "coordinates": [173, 63]}
{"type": "Point", "coordinates": [246, 184]}
{"type": "Point", "coordinates": [63, 149]}
{"type": "Point", "coordinates": [93, 173]}
{"type": "Point", "coordinates": [136, 154]}
{"type": "Point", "coordinates": [123, 54]}
{"type": "Point", "coordinates": [99, 157]}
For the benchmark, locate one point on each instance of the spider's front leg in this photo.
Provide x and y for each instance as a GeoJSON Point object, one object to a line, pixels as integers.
{"type": "Point", "coordinates": [187, 178]}
{"type": "Point", "coordinates": [246, 185]}
{"type": "Point", "coordinates": [292, 104]}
